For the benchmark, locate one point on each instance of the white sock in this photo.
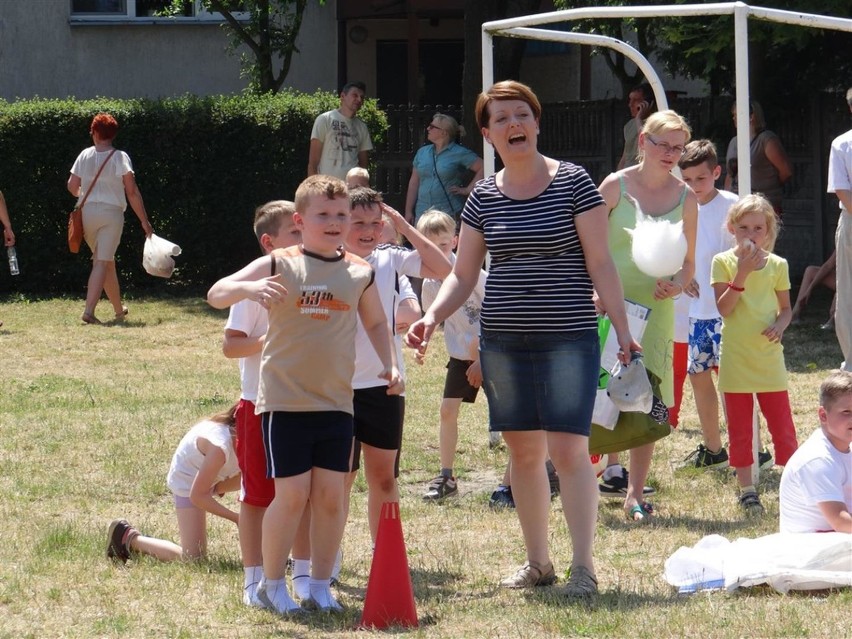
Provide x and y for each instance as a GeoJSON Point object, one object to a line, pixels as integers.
{"type": "Point", "coordinates": [321, 594]}
{"type": "Point", "coordinates": [335, 570]}
{"type": "Point", "coordinates": [253, 575]}
{"type": "Point", "coordinates": [301, 578]}
{"type": "Point", "coordinates": [613, 470]}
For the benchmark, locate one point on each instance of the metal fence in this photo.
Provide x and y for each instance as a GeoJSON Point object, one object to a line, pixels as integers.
{"type": "Point", "coordinates": [590, 134]}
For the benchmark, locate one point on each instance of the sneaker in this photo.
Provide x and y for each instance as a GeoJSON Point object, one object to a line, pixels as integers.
{"type": "Point", "coordinates": [530, 575]}
{"type": "Point", "coordinates": [250, 597]}
{"type": "Point", "coordinates": [441, 487]}
{"type": "Point", "coordinates": [750, 503]}
{"type": "Point", "coordinates": [277, 599]}
{"type": "Point", "coordinates": [502, 498]}
{"type": "Point", "coordinates": [119, 534]}
{"type": "Point", "coordinates": [703, 458]}
{"type": "Point", "coordinates": [764, 459]}
{"type": "Point", "coordinates": [616, 487]}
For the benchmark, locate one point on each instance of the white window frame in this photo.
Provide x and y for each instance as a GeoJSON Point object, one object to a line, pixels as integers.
{"type": "Point", "coordinates": [128, 16]}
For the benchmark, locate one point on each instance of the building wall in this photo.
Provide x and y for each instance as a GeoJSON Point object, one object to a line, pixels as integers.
{"type": "Point", "coordinates": [43, 54]}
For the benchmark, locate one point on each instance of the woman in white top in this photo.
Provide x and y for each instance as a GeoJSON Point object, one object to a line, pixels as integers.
{"type": "Point", "coordinates": [203, 466]}
{"type": "Point", "coordinates": [103, 213]}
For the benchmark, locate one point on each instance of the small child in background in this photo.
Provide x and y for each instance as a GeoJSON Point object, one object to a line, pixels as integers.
{"type": "Point", "coordinates": [461, 335]}
{"type": "Point", "coordinates": [700, 169]}
{"type": "Point", "coordinates": [245, 332]}
{"type": "Point", "coordinates": [752, 289]}
{"type": "Point", "coordinates": [816, 486]}
{"type": "Point", "coordinates": [357, 176]}
{"type": "Point", "coordinates": [204, 465]}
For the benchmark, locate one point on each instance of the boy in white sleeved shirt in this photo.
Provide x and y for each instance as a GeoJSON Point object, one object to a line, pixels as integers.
{"type": "Point", "coordinates": [379, 416]}
{"type": "Point", "coordinates": [461, 335]}
{"type": "Point", "coordinates": [245, 332]}
{"type": "Point", "coordinates": [816, 486]}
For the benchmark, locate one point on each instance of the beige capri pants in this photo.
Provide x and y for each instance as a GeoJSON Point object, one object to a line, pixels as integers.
{"type": "Point", "coordinates": [102, 227]}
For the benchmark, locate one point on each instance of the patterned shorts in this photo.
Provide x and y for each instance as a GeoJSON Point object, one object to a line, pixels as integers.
{"type": "Point", "coordinates": [705, 335]}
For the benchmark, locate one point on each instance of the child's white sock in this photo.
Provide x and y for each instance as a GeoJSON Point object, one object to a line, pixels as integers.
{"type": "Point", "coordinates": [253, 575]}
{"type": "Point", "coordinates": [613, 470]}
{"type": "Point", "coordinates": [301, 576]}
{"type": "Point", "coordinates": [321, 595]}
{"type": "Point", "coordinates": [335, 570]}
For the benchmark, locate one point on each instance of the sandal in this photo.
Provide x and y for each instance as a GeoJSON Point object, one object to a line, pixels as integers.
{"type": "Point", "coordinates": [89, 318]}
{"type": "Point", "coordinates": [582, 584]}
{"type": "Point", "coordinates": [119, 317]}
{"type": "Point", "coordinates": [530, 575]}
{"type": "Point", "coordinates": [641, 512]}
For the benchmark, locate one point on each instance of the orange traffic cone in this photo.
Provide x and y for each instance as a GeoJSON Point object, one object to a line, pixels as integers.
{"type": "Point", "coordinates": [390, 596]}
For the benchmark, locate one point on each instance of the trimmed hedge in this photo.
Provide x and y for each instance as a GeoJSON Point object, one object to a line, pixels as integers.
{"type": "Point", "coordinates": [202, 164]}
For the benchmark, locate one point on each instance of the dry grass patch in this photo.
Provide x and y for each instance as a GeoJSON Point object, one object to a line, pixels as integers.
{"type": "Point", "coordinates": [90, 416]}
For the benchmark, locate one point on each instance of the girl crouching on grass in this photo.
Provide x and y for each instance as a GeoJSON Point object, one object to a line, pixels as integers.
{"type": "Point", "coordinates": [203, 465]}
{"type": "Point", "coordinates": [752, 289]}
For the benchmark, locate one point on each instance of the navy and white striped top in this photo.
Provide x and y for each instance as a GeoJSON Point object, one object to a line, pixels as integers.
{"type": "Point", "coordinates": [538, 280]}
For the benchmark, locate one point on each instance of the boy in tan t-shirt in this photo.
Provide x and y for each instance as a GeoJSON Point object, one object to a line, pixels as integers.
{"type": "Point", "coordinates": [312, 292]}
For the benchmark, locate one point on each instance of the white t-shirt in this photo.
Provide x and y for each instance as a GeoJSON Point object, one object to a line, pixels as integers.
{"type": "Point", "coordinates": [342, 140]}
{"type": "Point", "coordinates": [816, 472]}
{"type": "Point", "coordinates": [251, 318]}
{"type": "Point", "coordinates": [462, 327]}
{"type": "Point", "coordinates": [109, 189]}
{"type": "Point", "coordinates": [840, 164]}
{"type": "Point", "coordinates": [387, 261]}
{"type": "Point", "coordinates": [187, 459]}
{"type": "Point", "coordinates": [711, 237]}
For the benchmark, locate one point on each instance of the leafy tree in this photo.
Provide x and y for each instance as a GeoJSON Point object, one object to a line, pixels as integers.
{"type": "Point", "coordinates": [269, 33]}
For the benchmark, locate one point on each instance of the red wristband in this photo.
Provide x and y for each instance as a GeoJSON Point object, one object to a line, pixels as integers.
{"type": "Point", "coordinates": [735, 288]}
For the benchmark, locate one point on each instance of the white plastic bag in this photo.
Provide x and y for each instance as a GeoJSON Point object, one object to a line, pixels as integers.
{"type": "Point", "coordinates": [157, 256]}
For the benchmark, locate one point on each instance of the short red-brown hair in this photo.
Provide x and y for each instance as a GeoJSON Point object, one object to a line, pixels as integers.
{"type": "Point", "coordinates": [104, 125]}
{"type": "Point", "coordinates": [506, 90]}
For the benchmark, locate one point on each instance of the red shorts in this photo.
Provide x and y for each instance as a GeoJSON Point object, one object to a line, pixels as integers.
{"type": "Point", "coordinates": [255, 488]}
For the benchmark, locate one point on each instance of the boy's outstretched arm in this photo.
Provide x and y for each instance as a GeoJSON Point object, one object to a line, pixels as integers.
{"type": "Point", "coordinates": [435, 264]}
{"type": "Point", "coordinates": [376, 325]}
{"type": "Point", "coordinates": [250, 282]}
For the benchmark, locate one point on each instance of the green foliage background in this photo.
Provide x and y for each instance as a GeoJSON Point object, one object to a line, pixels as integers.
{"type": "Point", "coordinates": [202, 164]}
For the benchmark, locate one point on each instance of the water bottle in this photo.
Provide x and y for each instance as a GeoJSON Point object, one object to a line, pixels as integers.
{"type": "Point", "coordinates": [13, 260]}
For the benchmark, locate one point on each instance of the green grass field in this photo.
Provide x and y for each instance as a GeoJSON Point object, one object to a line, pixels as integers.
{"type": "Point", "coordinates": [90, 416]}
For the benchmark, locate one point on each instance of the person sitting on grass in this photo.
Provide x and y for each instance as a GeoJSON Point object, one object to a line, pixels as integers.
{"type": "Point", "coordinates": [204, 465]}
{"type": "Point", "coordinates": [816, 486]}
{"type": "Point", "coordinates": [813, 276]}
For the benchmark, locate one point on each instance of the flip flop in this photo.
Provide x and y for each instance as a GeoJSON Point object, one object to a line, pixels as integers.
{"type": "Point", "coordinates": [119, 317]}
{"type": "Point", "coordinates": [641, 512]}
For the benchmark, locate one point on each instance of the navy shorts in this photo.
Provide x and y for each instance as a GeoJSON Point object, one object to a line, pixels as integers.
{"type": "Point", "coordinates": [456, 385]}
{"type": "Point", "coordinates": [298, 441]}
{"type": "Point", "coordinates": [540, 381]}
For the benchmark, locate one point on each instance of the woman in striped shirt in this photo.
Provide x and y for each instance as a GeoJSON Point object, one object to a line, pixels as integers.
{"type": "Point", "coordinates": [545, 225]}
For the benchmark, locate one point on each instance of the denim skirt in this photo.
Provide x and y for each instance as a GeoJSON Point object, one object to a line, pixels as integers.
{"type": "Point", "coordinates": [540, 381]}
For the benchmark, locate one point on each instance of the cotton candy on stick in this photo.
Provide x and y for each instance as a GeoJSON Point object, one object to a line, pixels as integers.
{"type": "Point", "coordinates": [659, 246]}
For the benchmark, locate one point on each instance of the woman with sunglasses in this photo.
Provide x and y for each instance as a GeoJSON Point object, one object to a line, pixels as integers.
{"type": "Point", "coordinates": [440, 167]}
{"type": "Point", "coordinates": [651, 187]}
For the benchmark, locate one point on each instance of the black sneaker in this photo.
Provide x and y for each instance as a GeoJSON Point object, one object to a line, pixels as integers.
{"type": "Point", "coordinates": [441, 487]}
{"type": "Point", "coordinates": [750, 503]}
{"type": "Point", "coordinates": [119, 533]}
{"type": "Point", "coordinates": [702, 458]}
{"type": "Point", "coordinates": [764, 459]}
{"type": "Point", "coordinates": [616, 487]}
{"type": "Point", "coordinates": [502, 498]}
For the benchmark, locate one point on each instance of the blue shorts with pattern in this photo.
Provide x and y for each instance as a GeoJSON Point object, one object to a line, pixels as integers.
{"type": "Point", "coordinates": [705, 336]}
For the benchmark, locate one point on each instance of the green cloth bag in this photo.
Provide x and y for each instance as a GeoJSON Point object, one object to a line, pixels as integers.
{"type": "Point", "coordinates": [631, 429]}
